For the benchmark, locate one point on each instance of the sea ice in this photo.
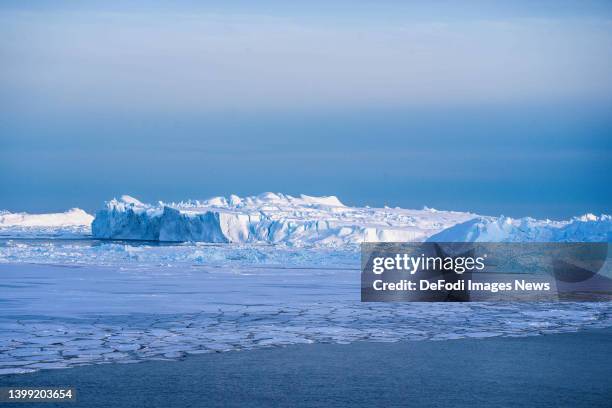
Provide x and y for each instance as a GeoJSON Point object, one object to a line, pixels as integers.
{"type": "Point", "coordinates": [100, 314]}
{"type": "Point", "coordinates": [275, 270]}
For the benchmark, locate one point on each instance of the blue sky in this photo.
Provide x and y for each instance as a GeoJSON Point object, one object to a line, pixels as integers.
{"type": "Point", "coordinates": [484, 106]}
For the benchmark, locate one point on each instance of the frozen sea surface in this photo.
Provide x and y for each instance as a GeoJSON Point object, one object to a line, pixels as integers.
{"type": "Point", "coordinates": [134, 254]}
{"type": "Point", "coordinates": [70, 314]}
{"type": "Point", "coordinates": [284, 270]}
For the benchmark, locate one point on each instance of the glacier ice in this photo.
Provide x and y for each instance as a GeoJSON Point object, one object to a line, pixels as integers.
{"type": "Point", "coordinates": [69, 224]}
{"type": "Point", "coordinates": [72, 217]}
{"type": "Point", "coordinates": [268, 218]}
{"type": "Point", "coordinates": [271, 218]}
{"type": "Point", "coordinates": [587, 228]}
{"type": "Point", "coordinates": [325, 221]}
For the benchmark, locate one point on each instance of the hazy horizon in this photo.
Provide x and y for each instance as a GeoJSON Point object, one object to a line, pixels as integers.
{"type": "Point", "coordinates": [477, 106]}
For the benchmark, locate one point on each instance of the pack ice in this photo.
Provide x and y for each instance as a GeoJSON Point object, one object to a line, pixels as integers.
{"type": "Point", "coordinates": [268, 218]}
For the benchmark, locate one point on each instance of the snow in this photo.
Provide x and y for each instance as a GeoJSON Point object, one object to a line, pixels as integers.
{"type": "Point", "coordinates": [586, 228]}
{"type": "Point", "coordinates": [268, 218]}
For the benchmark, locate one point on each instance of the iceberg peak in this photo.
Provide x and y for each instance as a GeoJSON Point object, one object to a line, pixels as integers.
{"type": "Point", "coordinates": [131, 200]}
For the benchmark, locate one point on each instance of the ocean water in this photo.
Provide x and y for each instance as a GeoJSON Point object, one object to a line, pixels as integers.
{"type": "Point", "coordinates": [562, 370]}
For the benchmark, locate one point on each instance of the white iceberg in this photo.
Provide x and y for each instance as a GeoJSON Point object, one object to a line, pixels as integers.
{"type": "Point", "coordinates": [587, 228]}
{"type": "Point", "coordinates": [72, 217]}
{"type": "Point", "coordinates": [268, 218]}
{"type": "Point", "coordinates": [72, 223]}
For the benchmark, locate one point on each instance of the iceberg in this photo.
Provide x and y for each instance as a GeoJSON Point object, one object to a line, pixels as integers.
{"type": "Point", "coordinates": [72, 217]}
{"type": "Point", "coordinates": [72, 223]}
{"type": "Point", "coordinates": [270, 218]}
{"type": "Point", "coordinates": [587, 228]}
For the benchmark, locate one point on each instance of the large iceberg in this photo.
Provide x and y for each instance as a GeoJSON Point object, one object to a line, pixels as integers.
{"type": "Point", "coordinates": [295, 221]}
{"type": "Point", "coordinates": [587, 228]}
{"type": "Point", "coordinates": [268, 218]}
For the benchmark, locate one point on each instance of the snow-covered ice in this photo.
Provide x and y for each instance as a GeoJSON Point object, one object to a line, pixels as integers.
{"type": "Point", "coordinates": [55, 316]}
{"type": "Point", "coordinates": [302, 221]}
{"type": "Point", "coordinates": [268, 218]}
{"type": "Point", "coordinates": [74, 217]}
{"type": "Point", "coordinates": [324, 221]}
{"type": "Point", "coordinates": [238, 273]}
{"type": "Point", "coordinates": [72, 223]}
{"type": "Point", "coordinates": [587, 228]}
{"type": "Point", "coordinates": [132, 254]}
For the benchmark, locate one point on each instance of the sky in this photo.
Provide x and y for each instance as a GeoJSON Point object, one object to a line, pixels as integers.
{"type": "Point", "coordinates": [490, 107]}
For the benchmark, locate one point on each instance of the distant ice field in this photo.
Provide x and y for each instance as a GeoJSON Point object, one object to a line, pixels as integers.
{"type": "Point", "coordinates": [304, 221]}
{"type": "Point", "coordinates": [162, 281]}
{"type": "Point", "coordinates": [139, 254]}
